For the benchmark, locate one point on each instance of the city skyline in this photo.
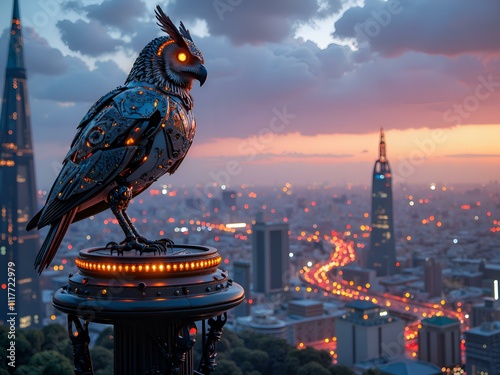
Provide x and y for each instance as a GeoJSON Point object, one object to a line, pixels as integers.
{"type": "Point", "coordinates": [294, 108]}
{"type": "Point", "coordinates": [321, 231]}
{"type": "Point", "coordinates": [17, 182]}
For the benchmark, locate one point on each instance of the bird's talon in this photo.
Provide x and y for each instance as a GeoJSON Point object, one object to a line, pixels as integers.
{"type": "Point", "coordinates": [113, 246]}
{"type": "Point", "coordinates": [150, 249]}
{"type": "Point", "coordinates": [167, 243]}
{"type": "Point", "coordinates": [160, 245]}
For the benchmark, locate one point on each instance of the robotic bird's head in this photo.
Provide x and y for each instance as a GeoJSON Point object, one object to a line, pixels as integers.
{"type": "Point", "coordinates": [183, 60]}
{"type": "Point", "coordinates": [172, 61]}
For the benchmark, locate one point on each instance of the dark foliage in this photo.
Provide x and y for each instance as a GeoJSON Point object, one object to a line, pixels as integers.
{"type": "Point", "coordinates": [106, 339]}
{"type": "Point", "coordinates": [48, 362]}
{"type": "Point", "coordinates": [48, 352]}
{"type": "Point", "coordinates": [102, 358]}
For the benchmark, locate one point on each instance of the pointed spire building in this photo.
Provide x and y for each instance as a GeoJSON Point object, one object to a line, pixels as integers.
{"type": "Point", "coordinates": [20, 294]}
{"type": "Point", "coordinates": [382, 251]}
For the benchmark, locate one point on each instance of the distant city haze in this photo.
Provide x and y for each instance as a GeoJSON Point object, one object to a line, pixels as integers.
{"type": "Point", "coordinates": [297, 91]}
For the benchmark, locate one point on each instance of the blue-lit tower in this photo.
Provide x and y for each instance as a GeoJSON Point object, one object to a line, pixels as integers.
{"type": "Point", "coordinates": [270, 260]}
{"type": "Point", "coordinates": [382, 251]}
{"type": "Point", "coordinates": [18, 199]}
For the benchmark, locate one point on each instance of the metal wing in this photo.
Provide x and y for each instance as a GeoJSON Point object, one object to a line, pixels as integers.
{"type": "Point", "coordinates": [109, 145]}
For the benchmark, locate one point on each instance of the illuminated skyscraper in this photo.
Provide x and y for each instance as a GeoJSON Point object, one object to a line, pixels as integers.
{"type": "Point", "coordinates": [17, 184]}
{"type": "Point", "coordinates": [270, 257]}
{"type": "Point", "coordinates": [382, 252]}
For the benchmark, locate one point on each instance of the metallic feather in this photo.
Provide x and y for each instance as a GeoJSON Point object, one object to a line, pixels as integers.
{"type": "Point", "coordinates": [168, 26]}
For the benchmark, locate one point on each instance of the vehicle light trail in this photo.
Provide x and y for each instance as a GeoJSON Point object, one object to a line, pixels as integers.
{"type": "Point", "coordinates": [322, 276]}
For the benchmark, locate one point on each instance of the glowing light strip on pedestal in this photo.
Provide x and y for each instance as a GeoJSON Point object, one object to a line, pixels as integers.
{"type": "Point", "coordinates": [149, 267]}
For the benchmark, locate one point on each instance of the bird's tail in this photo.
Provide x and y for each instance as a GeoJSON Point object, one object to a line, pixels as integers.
{"type": "Point", "coordinates": [53, 241]}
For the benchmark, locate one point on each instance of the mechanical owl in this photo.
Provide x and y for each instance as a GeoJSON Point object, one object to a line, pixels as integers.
{"type": "Point", "coordinates": [127, 140]}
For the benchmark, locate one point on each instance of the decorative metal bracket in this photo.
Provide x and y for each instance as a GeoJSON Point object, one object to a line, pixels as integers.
{"type": "Point", "coordinates": [185, 340]}
{"type": "Point", "coordinates": [80, 340]}
{"type": "Point", "coordinates": [207, 363]}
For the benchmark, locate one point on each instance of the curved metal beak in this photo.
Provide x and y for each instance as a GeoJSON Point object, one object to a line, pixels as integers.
{"type": "Point", "coordinates": [202, 75]}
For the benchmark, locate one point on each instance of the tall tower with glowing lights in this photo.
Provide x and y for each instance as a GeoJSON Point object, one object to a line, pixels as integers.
{"type": "Point", "coordinates": [382, 251]}
{"type": "Point", "coordinates": [270, 260]}
{"type": "Point", "coordinates": [17, 185]}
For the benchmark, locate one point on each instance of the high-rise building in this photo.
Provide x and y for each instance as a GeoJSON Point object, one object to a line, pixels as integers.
{"type": "Point", "coordinates": [482, 349]}
{"type": "Point", "coordinates": [229, 198]}
{"type": "Point", "coordinates": [433, 277]}
{"type": "Point", "coordinates": [439, 341]}
{"type": "Point", "coordinates": [241, 274]}
{"type": "Point", "coordinates": [271, 263]}
{"type": "Point", "coordinates": [382, 252]}
{"type": "Point", "coordinates": [368, 332]}
{"type": "Point", "coordinates": [17, 184]}
{"type": "Point", "coordinates": [488, 311]}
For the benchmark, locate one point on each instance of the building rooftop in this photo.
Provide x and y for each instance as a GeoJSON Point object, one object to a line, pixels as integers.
{"type": "Point", "coordinates": [440, 321]}
{"type": "Point", "coordinates": [466, 273]}
{"type": "Point", "coordinates": [410, 368]}
{"type": "Point", "coordinates": [361, 305]}
{"type": "Point", "coordinates": [489, 303]}
{"type": "Point", "coordinates": [485, 329]}
{"type": "Point", "coordinates": [466, 260]}
{"type": "Point", "coordinates": [398, 279]}
{"type": "Point", "coordinates": [403, 366]}
{"type": "Point", "coordinates": [306, 302]}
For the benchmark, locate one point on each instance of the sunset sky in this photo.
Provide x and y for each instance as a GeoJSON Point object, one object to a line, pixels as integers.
{"type": "Point", "coordinates": [297, 90]}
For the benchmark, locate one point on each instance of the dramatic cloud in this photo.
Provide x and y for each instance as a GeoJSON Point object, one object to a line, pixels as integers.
{"type": "Point", "coordinates": [143, 33]}
{"type": "Point", "coordinates": [250, 21]}
{"type": "Point", "coordinates": [41, 58]}
{"type": "Point", "coordinates": [122, 14]}
{"type": "Point", "coordinates": [89, 38]}
{"type": "Point", "coordinates": [53, 76]}
{"type": "Point", "coordinates": [448, 27]}
{"type": "Point", "coordinates": [430, 65]}
{"type": "Point", "coordinates": [328, 92]}
{"type": "Point", "coordinates": [79, 84]}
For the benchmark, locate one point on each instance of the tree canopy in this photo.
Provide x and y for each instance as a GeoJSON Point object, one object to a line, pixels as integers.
{"type": "Point", "coordinates": [48, 351]}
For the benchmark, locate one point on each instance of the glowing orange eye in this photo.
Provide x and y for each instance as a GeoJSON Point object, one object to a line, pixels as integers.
{"type": "Point", "coordinates": [182, 57]}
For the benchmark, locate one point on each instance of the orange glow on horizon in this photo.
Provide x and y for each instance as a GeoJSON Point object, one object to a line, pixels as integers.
{"type": "Point", "coordinates": [415, 154]}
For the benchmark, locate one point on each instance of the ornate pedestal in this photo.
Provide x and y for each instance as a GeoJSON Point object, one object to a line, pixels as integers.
{"type": "Point", "coordinates": [153, 302]}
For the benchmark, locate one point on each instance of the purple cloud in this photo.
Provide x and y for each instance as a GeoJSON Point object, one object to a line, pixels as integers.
{"type": "Point", "coordinates": [122, 14]}
{"type": "Point", "coordinates": [249, 21]}
{"type": "Point", "coordinates": [448, 27]}
{"type": "Point", "coordinates": [89, 38]}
